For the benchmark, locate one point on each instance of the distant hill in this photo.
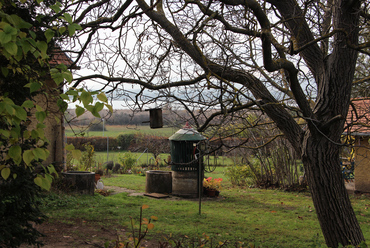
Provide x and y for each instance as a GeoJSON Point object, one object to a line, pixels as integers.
{"type": "Point", "coordinates": [128, 117]}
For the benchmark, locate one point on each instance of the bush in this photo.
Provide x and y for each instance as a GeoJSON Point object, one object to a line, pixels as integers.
{"type": "Point", "coordinates": [99, 143]}
{"type": "Point", "coordinates": [19, 209]}
{"type": "Point", "coordinates": [155, 144]}
{"type": "Point", "coordinates": [241, 175]}
{"type": "Point", "coordinates": [124, 141]}
{"type": "Point", "coordinates": [88, 157]}
{"type": "Point", "coordinates": [128, 161]}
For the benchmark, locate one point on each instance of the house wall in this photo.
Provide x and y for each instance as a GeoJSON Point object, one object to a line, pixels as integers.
{"type": "Point", "coordinates": [362, 164]}
{"type": "Point", "coordinates": [54, 131]}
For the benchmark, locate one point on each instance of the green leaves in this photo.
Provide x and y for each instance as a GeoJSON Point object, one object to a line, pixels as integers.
{"type": "Point", "coordinates": [5, 133]}
{"type": "Point", "coordinates": [40, 116]}
{"type": "Point", "coordinates": [102, 97]}
{"type": "Point", "coordinates": [63, 105]}
{"type": "Point", "coordinates": [28, 156]}
{"type": "Point", "coordinates": [42, 47]}
{"type": "Point", "coordinates": [7, 38]}
{"type": "Point", "coordinates": [22, 140]}
{"type": "Point", "coordinates": [8, 33]}
{"type": "Point", "coordinates": [40, 153]}
{"type": "Point", "coordinates": [61, 73]}
{"type": "Point", "coordinates": [35, 154]}
{"type": "Point", "coordinates": [28, 104]}
{"type": "Point", "coordinates": [56, 7]}
{"type": "Point", "coordinates": [72, 28]}
{"type": "Point", "coordinates": [9, 30]}
{"type": "Point", "coordinates": [20, 113]}
{"type": "Point", "coordinates": [5, 172]}
{"type": "Point", "coordinates": [12, 113]}
{"type": "Point", "coordinates": [76, 154]}
{"type": "Point", "coordinates": [4, 71]}
{"type": "Point", "coordinates": [79, 111]}
{"type": "Point", "coordinates": [15, 152]}
{"type": "Point", "coordinates": [44, 181]}
{"type": "Point", "coordinates": [21, 47]}
{"type": "Point", "coordinates": [49, 34]}
{"type": "Point", "coordinates": [11, 48]}
{"type": "Point", "coordinates": [86, 98]}
{"type": "Point", "coordinates": [68, 18]}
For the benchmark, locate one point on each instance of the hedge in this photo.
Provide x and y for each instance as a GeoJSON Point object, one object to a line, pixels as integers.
{"type": "Point", "coordinates": [123, 142]}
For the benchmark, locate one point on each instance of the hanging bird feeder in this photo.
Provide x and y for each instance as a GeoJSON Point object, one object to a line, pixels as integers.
{"type": "Point", "coordinates": [156, 119]}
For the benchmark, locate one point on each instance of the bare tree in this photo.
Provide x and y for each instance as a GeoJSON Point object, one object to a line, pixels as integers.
{"type": "Point", "coordinates": [291, 59]}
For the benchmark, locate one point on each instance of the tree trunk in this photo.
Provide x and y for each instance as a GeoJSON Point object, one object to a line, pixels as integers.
{"type": "Point", "coordinates": [333, 75]}
{"type": "Point", "coordinates": [333, 206]}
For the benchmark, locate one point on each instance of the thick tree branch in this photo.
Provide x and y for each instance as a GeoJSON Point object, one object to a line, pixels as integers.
{"type": "Point", "coordinates": [147, 85]}
{"type": "Point", "coordinates": [282, 63]}
{"type": "Point", "coordinates": [101, 20]}
{"type": "Point", "coordinates": [301, 32]}
{"type": "Point", "coordinates": [219, 113]}
{"type": "Point", "coordinates": [268, 103]}
{"type": "Point", "coordinates": [228, 26]}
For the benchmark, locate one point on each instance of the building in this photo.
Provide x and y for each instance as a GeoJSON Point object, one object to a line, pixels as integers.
{"type": "Point", "coordinates": [54, 122]}
{"type": "Point", "coordinates": [358, 121]}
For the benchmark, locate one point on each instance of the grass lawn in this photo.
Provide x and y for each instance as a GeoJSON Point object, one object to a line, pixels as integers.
{"type": "Point", "coordinates": [270, 218]}
{"type": "Point", "coordinates": [148, 158]}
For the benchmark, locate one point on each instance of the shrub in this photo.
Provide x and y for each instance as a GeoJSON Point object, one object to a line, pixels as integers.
{"type": "Point", "coordinates": [19, 209]}
{"type": "Point", "coordinates": [127, 160]}
{"type": "Point", "coordinates": [241, 175]}
{"type": "Point", "coordinates": [124, 141]}
{"type": "Point", "coordinates": [99, 143]}
{"type": "Point", "coordinates": [69, 161]}
{"type": "Point", "coordinates": [88, 157]}
{"type": "Point", "coordinates": [155, 144]}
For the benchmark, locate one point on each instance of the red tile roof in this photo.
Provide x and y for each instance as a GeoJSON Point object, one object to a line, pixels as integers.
{"type": "Point", "coordinates": [60, 57]}
{"type": "Point", "coordinates": [358, 117]}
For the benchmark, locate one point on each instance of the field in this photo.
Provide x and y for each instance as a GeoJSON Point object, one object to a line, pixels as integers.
{"type": "Point", "coordinates": [144, 158]}
{"type": "Point", "coordinates": [239, 216]}
{"type": "Point", "coordinates": [114, 131]}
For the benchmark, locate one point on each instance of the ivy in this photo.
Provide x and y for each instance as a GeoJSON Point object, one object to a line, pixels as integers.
{"type": "Point", "coordinates": [24, 52]}
{"type": "Point", "coordinates": [19, 43]}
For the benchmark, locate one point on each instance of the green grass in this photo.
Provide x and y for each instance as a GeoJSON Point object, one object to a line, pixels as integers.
{"type": "Point", "coordinates": [128, 181]}
{"type": "Point", "coordinates": [114, 131]}
{"type": "Point", "coordinates": [148, 158]}
{"type": "Point", "coordinates": [271, 218]}
{"type": "Point", "coordinates": [143, 158]}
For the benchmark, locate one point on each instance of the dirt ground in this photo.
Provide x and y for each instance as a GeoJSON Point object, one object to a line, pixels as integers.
{"type": "Point", "coordinates": [81, 234]}
{"type": "Point", "coordinates": [74, 235]}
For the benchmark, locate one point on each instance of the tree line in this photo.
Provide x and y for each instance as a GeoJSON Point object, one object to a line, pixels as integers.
{"type": "Point", "coordinates": [127, 117]}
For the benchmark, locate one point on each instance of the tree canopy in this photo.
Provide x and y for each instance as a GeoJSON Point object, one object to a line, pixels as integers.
{"type": "Point", "coordinates": [293, 60]}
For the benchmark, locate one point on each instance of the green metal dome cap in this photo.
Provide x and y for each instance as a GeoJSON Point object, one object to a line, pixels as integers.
{"type": "Point", "coordinates": [187, 133]}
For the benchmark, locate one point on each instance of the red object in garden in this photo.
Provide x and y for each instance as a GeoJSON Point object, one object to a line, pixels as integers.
{"type": "Point", "coordinates": [97, 177]}
{"type": "Point", "coordinates": [211, 192]}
